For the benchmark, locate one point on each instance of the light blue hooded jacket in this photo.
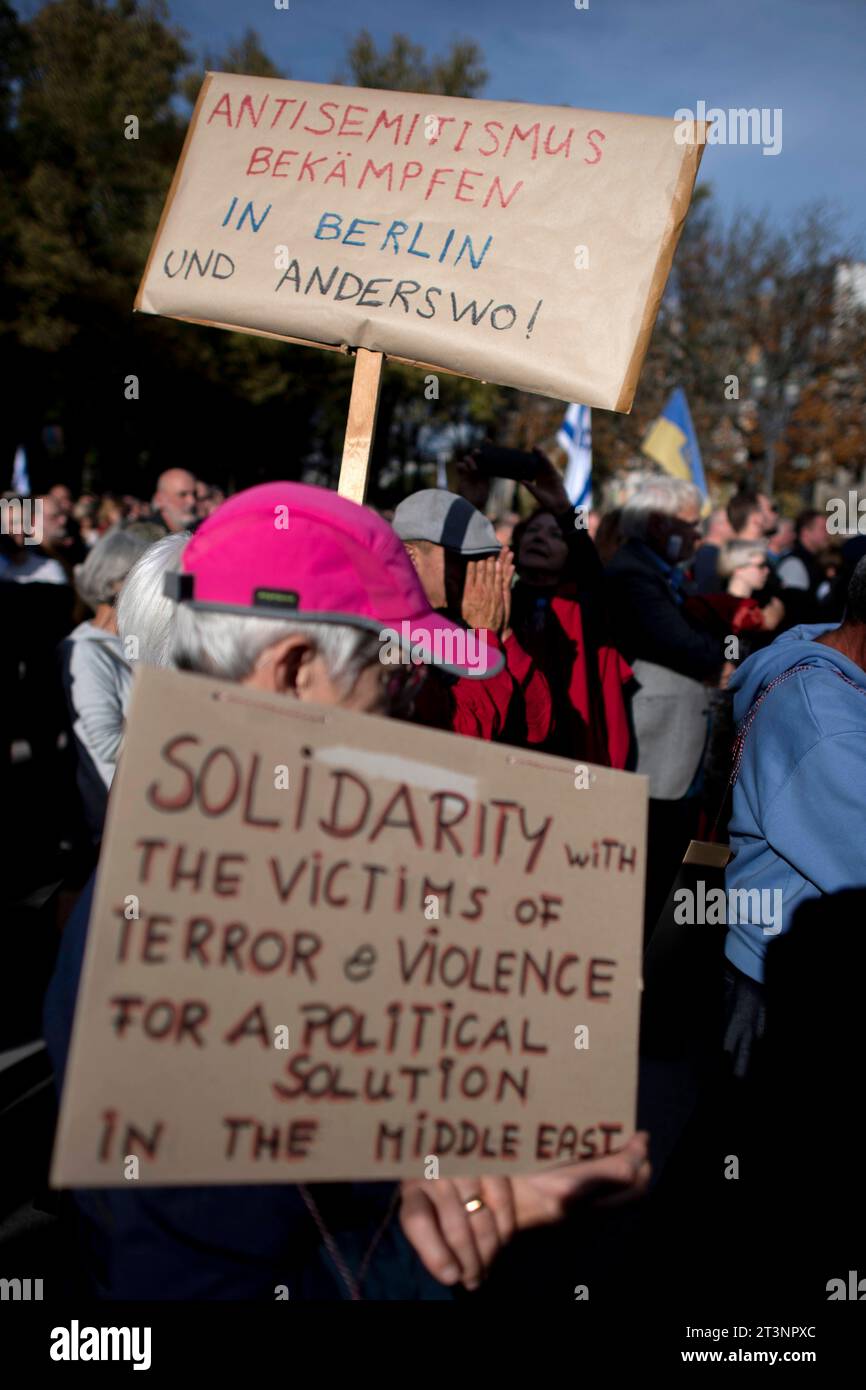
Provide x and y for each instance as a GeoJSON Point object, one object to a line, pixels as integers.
{"type": "Point", "coordinates": [799, 808]}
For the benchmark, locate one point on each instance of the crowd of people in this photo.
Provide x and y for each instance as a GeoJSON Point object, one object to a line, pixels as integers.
{"type": "Point", "coordinates": [643, 639]}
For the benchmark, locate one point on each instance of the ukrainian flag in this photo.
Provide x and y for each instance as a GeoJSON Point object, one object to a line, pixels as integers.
{"type": "Point", "coordinates": [672, 442]}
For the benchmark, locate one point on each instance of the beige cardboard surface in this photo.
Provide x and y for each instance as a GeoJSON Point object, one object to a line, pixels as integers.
{"type": "Point", "coordinates": [524, 245]}
{"type": "Point", "coordinates": [272, 873]}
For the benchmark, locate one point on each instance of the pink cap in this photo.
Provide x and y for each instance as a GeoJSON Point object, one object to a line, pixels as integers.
{"type": "Point", "coordinates": [306, 554]}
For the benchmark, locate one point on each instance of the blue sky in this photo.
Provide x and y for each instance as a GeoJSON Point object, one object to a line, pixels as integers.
{"type": "Point", "coordinates": [807, 57]}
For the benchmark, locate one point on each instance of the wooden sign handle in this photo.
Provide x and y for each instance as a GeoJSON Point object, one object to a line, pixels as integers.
{"type": "Point", "coordinates": [361, 425]}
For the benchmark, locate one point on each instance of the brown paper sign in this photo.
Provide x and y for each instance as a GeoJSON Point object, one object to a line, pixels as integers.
{"type": "Point", "coordinates": [327, 945]}
{"type": "Point", "coordinates": [524, 245]}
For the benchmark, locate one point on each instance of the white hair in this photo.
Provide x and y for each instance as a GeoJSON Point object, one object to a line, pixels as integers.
{"type": "Point", "coordinates": [733, 554]}
{"type": "Point", "coordinates": [656, 495]}
{"type": "Point", "coordinates": [228, 645]}
{"type": "Point", "coordinates": [145, 616]}
{"type": "Point", "coordinates": [99, 577]}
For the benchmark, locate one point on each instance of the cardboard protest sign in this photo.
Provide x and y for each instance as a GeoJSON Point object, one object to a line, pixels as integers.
{"type": "Point", "coordinates": [524, 245]}
{"type": "Point", "coordinates": [327, 945]}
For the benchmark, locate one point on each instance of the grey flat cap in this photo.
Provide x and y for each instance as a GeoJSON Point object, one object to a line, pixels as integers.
{"type": "Point", "coordinates": [445, 519]}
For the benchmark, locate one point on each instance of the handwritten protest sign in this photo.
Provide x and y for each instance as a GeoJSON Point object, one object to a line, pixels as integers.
{"type": "Point", "coordinates": [524, 245]}
{"type": "Point", "coordinates": [326, 945]}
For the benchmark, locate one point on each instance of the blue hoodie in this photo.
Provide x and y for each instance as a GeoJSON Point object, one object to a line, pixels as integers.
{"type": "Point", "coordinates": [799, 806]}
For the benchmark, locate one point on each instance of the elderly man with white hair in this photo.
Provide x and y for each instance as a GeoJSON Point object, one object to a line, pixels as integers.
{"type": "Point", "coordinates": [174, 501]}
{"type": "Point", "coordinates": [673, 660]}
{"type": "Point", "coordinates": [145, 616]}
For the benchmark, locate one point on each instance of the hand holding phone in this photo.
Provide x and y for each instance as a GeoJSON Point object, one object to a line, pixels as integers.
{"type": "Point", "coordinates": [518, 464]}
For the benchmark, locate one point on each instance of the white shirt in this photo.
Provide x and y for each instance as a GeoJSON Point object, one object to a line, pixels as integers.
{"type": "Point", "coordinates": [792, 573]}
{"type": "Point", "coordinates": [98, 686]}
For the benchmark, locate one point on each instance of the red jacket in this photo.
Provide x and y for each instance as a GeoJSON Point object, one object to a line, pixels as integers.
{"type": "Point", "coordinates": [589, 719]}
{"type": "Point", "coordinates": [534, 690]}
{"type": "Point", "coordinates": [476, 708]}
{"type": "Point", "coordinates": [614, 673]}
{"type": "Point", "coordinates": [725, 612]}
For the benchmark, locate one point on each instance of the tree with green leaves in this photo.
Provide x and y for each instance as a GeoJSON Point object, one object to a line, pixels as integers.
{"type": "Point", "coordinates": [14, 60]}
{"type": "Point", "coordinates": [90, 134]}
{"type": "Point", "coordinates": [246, 56]}
{"type": "Point", "coordinates": [405, 67]}
{"type": "Point", "coordinates": [96, 133]}
{"type": "Point", "coordinates": [98, 137]}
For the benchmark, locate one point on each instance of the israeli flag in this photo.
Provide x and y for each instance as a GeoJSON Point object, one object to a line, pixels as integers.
{"type": "Point", "coordinates": [575, 437]}
{"type": "Point", "coordinates": [20, 473]}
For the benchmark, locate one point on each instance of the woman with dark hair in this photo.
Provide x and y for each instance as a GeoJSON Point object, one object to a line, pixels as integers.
{"type": "Point", "coordinates": [558, 620]}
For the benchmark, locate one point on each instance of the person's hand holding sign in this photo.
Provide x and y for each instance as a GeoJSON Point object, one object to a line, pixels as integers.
{"type": "Point", "coordinates": [543, 1198]}
{"type": "Point", "coordinates": [455, 1239]}
{"type": "Point", "coordinates": [458, 1226]}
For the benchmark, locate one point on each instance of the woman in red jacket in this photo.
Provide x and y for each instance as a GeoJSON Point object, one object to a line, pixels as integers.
{"type": "Point", "coordinates": [558, 621]}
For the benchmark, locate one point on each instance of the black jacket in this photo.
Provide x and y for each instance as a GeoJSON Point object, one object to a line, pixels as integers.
{"type": "Point", "coordinates": [650, 624]}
